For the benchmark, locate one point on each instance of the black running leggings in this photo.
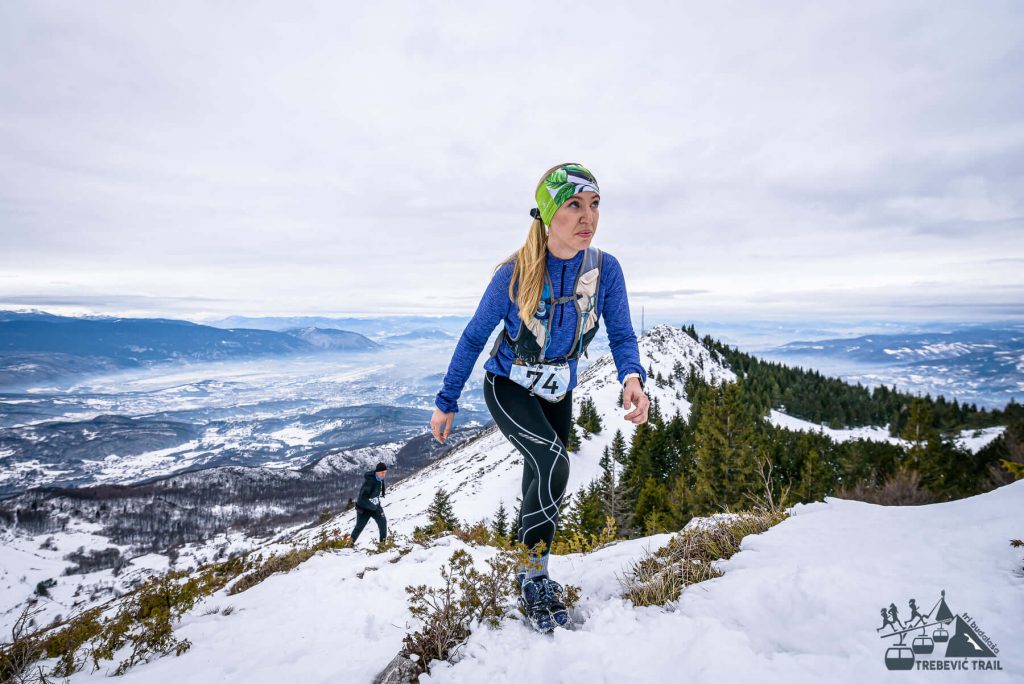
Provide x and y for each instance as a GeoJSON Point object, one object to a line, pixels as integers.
{"type": "Point", "coordinates": [363, 517]}
{"type": "Point", "coordinates": [539, 429]}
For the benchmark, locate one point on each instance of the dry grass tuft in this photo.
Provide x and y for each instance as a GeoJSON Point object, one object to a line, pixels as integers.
{"type": "Point", "coordinates": [660, 577]}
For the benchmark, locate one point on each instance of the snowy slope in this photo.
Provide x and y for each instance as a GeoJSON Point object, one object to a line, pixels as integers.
{"type": "Point", "coordinates": [480, 473]}
{"type": "Point", "coordinates": [25, 561]}
{"type": "Point", "coordinates": [793, 606]}
{"type": "Point", "coordinates": [972, 440]}
{"type": "Point", "coordinates": [488, 469]}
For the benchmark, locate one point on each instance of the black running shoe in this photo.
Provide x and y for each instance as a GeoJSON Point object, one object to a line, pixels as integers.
{"type": "Point", "coordinates": [553, 599]}
{"type": "Point", "coordinates": [533, 602]}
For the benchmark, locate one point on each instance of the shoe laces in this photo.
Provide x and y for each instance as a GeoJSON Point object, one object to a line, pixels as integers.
{"type": "Point", "coordinates": [534, 591]}
{"type": "Point", "coordinates": [552, 589]}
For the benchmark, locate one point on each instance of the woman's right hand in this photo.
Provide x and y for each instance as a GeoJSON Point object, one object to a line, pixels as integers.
{"type": "Point", "coordinates": [440, 420]}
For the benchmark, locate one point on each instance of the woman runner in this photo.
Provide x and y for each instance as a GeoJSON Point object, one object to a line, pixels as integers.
{"type": "Point", "coordinates": [530, 375]}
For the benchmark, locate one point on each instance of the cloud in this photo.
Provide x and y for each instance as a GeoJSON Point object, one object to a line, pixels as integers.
{"type": "Point", "coordinates": [383, 158]}
{"type": "Point", "coordinates": [667, 293]}
{"type": "Point", "coordinates": [101, 300]}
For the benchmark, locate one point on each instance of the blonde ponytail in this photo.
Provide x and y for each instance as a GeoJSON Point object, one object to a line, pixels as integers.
{"type": "Point", "coordinates": [530, 265]}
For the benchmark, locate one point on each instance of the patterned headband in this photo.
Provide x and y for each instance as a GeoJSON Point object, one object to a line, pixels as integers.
{"type": "Point", "coordinates": [560, 185]}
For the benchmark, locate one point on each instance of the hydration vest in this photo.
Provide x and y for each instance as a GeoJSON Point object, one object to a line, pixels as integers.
{"type": "Point", "coordinates": [531, 342]}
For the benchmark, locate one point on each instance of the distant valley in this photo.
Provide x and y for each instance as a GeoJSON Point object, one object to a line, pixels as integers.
{"type": "Point", "coordinates": [982, 365]}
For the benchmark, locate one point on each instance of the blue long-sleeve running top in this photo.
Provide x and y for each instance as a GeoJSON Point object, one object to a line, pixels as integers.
{"type": "Point", "coordinates": [496, 306]}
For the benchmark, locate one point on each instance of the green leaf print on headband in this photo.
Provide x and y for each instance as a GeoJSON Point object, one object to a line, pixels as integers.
{"type": "Point", "coordinates": [556, 178]}
{"type": "Point", "coordinates": [564, 193]}
{"type": "Point", "coordinates": [560, 185]}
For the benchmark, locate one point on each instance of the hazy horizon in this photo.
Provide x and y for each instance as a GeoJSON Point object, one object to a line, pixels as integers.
{"type": "Point", "coordinates": [754, 334]}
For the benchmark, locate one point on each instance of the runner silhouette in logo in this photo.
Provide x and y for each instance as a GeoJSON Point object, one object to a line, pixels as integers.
{"type": "Point", "coordinates": [916, 616]}
{"type": "Point", "coordinates": [894, 615]}
{"type": "Point", "coordinates": [885, 621]}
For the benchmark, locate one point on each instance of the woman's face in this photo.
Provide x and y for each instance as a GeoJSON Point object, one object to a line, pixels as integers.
{"type": "Point", "coordinates": [574, 224]}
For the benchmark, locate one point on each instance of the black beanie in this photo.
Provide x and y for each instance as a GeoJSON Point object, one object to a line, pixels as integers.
{"type": "Point", "coordinates": [380, 467]}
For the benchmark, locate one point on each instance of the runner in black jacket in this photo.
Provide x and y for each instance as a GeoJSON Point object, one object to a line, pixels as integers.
{"type": "Point", "coordinates": [368, 504]}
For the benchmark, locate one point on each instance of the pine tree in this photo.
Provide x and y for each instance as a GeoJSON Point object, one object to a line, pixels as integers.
{"type": "Point", "coordinates": [635, 471]}
{"type": "Point", "coordinates": [440, 511]}
{"type": "Point", "coordinates": [654, 413]}
{"type": "Point", "coordinates": [619, 448]}
{"type": "Point", "coordinates": [609, 485]}
{"type": "Point", "coordinates": [595, 418]}
{"type": "Point", "coordinates": [574, 440]}
{"type": "Point", "coordinates": [816, 477]}
{"type": "Point", "coordinates": [726, 443]}
{"type": "Point", "coordinates": [652, 507]}
{"type": "Point", "coordinates": [499, 526]}
{"type": "Point", "coordinates": [680, 505]}
{"type": "Point", "coordinates": [678, 372]}
{"type": "Point", "coordinates": [513, 531]}
{"type": "Point", "coordinates": [636, 465]}
{"type": "Point", "coordinates": [568, 519]}
{"type": "Point", "coordinates": [589, 509]}
{"type": "Point", "coordinates": [589, 419]}
{"type": "Point", "coordinates": [923, 439]}
{"type": "Point", "coordinates": [583, 419]}
{"type": "Point", "coordinates": [946, 469]}
{"type": "Point", "coordinates": [918, 427]}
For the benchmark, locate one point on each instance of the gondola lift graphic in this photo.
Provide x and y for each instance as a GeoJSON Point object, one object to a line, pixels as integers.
{"type": "Point", "coordinates": [901, 656]}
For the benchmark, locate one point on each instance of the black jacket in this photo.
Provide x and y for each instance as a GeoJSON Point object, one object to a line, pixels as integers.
{"type": "Point", "coordinates": [372, 489]}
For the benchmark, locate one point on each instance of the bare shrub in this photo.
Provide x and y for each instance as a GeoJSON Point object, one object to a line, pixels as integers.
{"type": "Point", "coordinates": [766, 500]}
{"type": "Point", "coordinates": [25, 648]}
{"type": "Point", "coordinates": [478, 534]}
{"type": "Point", "coordinates": [94, 560]}
{"type": "Point", "coordinates": [466, 597]}
{"type": "Point", "coordinates": [902, 488]}
{"type": "Point", "coordinates": [578, 542]}
{"type": "Point", "coordinates": [660, 577]}
{"type": "Point", "coordinates": [386, 544]}
{"type": "Point", "coordinates": [142, 619]}
{"type": "Point", "coordinates": [283, 562]}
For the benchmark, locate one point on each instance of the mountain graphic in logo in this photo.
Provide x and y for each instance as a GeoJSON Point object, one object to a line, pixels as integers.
{"type": "Point", "coordinates": [966, 643]}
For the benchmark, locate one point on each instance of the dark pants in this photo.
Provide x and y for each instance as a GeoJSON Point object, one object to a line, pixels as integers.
{"type": "Point", "coordinates": [362, 517]}
{"type": "Point", "coordinates": [539, 429]}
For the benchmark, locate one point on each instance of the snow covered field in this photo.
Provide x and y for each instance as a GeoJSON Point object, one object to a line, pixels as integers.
{"type": "Point", "coordinates": [799, 603]}
{"type": "Point", "coordinates": [972, 440]}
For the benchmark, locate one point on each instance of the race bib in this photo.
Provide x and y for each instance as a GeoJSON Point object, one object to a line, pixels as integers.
{"type": "Point", "coordinates": [547, 380]}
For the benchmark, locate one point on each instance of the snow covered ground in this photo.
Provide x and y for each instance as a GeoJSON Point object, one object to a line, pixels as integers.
{"type": "Point", "coordinates": [872, 432]}
{"type": "Point", "coordinates": [799, 603]}
{"type": "Point", "coordinates": [25, 561]}
{"type": "Point", "coordinates": [972, 440]}
{"type": "Point", "coordinates": [479, 475]}
{"type": "Point", "coordinates": [976, 439]}
{"type": "Point", "coordinates": [488, 470]}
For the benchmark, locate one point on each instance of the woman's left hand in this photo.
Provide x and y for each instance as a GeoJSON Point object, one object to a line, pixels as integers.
{"type": "Point", "coordinates": [633, 395]}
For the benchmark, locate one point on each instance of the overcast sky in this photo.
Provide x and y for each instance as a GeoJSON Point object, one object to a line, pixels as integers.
{"type": "Point", "coordinates": [768, 160]}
